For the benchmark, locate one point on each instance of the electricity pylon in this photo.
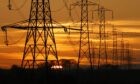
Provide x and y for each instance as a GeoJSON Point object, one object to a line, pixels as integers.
{"type": "Point", "coordinates": [122, 58]}
{"type": "Point", "coordinates": [84, 47]}
{"type": "Point", "coordinates": [40, 39]}
{"type": "Point", "coordinates": [103, 57]}
{"type": "Point", "coordinates": [115, 58]}
{"type": "Point", "coordinates": [128, 57]}
{"type": "Point", "coordinates": [39, 42]}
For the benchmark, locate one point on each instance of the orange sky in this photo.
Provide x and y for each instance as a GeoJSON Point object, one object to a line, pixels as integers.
{"type": "Point", "coordinates": [126, 12]}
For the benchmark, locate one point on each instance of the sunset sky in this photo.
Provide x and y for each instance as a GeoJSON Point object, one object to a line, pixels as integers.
{"type": "Point", "coordinates": [127, 19]}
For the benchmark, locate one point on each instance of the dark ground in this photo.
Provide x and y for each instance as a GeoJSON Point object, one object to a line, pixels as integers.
{"type": "Point", "coordinates": [17, 75]}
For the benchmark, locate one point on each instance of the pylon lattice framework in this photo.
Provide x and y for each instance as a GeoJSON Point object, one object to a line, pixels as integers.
{"type": "Point", "coordinates": [122, 58]}
{"type": "Point", "coordinates": [102, 36]}
{"type": "Point", "coordinates": [84, 34]}
{"type": "Point", "coordinates": [115, 58]}
{"type": "Point", "coordinates": [102, 55]}
{"type": "Point", "coordinates": [84, 47]}
{"type": "Point", "coordinates": [40, 39]}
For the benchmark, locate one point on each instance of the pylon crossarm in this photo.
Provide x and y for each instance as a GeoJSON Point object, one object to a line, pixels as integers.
{"type": "Point", "coordinates": [102, 9]}
{"type": "Point", "coordinates": [4, 28]}
{"type": "Point", "coordinates": [16, 25]}
{"type": "Point", "coordinates": [79, 3]}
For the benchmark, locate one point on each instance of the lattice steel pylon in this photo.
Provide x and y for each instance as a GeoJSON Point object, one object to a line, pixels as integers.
{"type": "Point", "coordinates": [84, 46]}
{"type": "Point", "coordinates": [122, 58]}
{"type": "Point", "coordinates": [128, 57]}
{"type": "Point", "coordinates": [115, 47]}
{"type": "Point", "coordinates": [103, 57]}
{"type": "Point", "coordinates": [40, 39]}
{"type": "Point", "coordinates": [102, 35]}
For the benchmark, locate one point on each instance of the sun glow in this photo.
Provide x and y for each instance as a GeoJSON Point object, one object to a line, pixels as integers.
{"type": "Point", "coordinates": [56, 67]}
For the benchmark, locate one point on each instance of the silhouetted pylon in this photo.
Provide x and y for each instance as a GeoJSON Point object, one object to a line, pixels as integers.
{"type": "Point", "coordinates": [40, 39]}
{"type": "Point", "coordinates": [103, 57]}
{"type": "Point", "coordinates": [84, 47]}
{"type": "Point", "coordinates": [115, 58]}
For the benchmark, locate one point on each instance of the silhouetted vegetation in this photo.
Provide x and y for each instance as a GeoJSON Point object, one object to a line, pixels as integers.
{"type": "Point", "coordinates": [43, 75]}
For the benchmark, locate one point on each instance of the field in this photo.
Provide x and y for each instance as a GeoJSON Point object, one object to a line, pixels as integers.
{"type": "Point", "coordinates": [17, 75]}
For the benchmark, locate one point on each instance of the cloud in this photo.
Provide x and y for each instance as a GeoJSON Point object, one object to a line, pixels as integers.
{"type": "Point", "coordinates": [11, 49]}
{"type": "Point", "coordinates": [131, 34]}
